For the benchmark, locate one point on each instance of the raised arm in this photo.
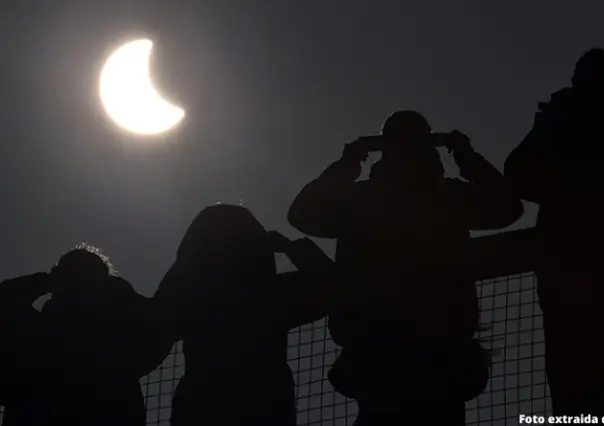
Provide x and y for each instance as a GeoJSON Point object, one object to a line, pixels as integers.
{"type": "Point", "coordinates": [302, 296]}
{"type": "Point", "coordinates": [171, 305]}
{"type": "Point", "coordinates": [321, 207]}
{"type": "Point", "coordinates": [524, 168]}
{"type": "Point", "coordinates": [305, 255]}
{"type": "Point", "coordinates": [20, 347]}
{"type": "Point", "coordinates": [19, 294]}
{"type": "Point", "coordinates": [142, 337]}
{"type": "Point", "coordinates": [555, 158]}
{"type": "Point", "coordinates": [19, 320]}
{"type": "Point", "coordinates": [487, 200]}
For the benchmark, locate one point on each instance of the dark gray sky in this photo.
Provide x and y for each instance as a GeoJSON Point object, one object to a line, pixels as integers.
{"type": "Point", "coordinates": [273, 89]}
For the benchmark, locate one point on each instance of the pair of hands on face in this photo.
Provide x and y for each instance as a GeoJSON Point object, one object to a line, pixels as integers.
{"type": "Point", "coordinates": [459, 145]}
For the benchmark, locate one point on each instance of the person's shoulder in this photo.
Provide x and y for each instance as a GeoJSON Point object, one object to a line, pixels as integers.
{"type": "Point", "coordinates": [120, 287]}
{"type": "Point", "coordinates": [371, 184]}
{"type": "Point", "coordinates": [120, 283]}
{"type": "Point", "coordinates": [558, 99]}
{"type": "Point", "coordinates": [457, 188]}
{"type": "Point", "coordinates": [362, 187]}
{"type": "Point", "coordinates": [367, 183]}
{"type": "Point", "coordinates": [455, 184]}
{"type": "Point", "coordinates": [565, 92]}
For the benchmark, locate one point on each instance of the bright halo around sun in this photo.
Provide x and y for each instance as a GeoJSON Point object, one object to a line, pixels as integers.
{"type": "Point", "coordinates": [128, 95]}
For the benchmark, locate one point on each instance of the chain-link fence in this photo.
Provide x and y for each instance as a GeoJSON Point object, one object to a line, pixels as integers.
{"type": "Point", "coordinates": [517, 385]}
{"type": "Point", "coordinates": [509, 309]}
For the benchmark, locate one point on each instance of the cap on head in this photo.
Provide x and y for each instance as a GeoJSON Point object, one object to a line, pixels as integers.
{"type": "Point", "coordinates": [589, 71]}
{"type": "Point", "coordinates": [406, 123]}
{"type": "Point", "coordinates": [410, 155]}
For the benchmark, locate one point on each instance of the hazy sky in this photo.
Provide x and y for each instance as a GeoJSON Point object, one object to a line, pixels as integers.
{"type": "Point", "coordinates": [273, 89]}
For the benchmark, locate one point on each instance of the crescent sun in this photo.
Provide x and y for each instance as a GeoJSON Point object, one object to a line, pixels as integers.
{"type": "Point", "coordinates": [128, 95]}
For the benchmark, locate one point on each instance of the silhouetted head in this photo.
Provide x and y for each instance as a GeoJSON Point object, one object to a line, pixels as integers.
{"type": "Point", "coordinates": [81, 268]}
{"type": "Point", "coordinates": [406, 126]}
{"type": "Point", "coordinates": [588, 76]}
{"type": "Point", "coordinates": [227, 237]}
{"type": "Point", "coordinates": [408, 153]}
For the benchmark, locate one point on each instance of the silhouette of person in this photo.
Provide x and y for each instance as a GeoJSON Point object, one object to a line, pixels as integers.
{"type": "Point", "coordinates": [20, 327]}
{"type": "Point", "coordinates": [92, 348]}
{"type": "Point", "coordinates": [233, 313]}
{"type": "Point", "coordinates": [408, 308]}
{"type": "Point", "coordinates": [557, 166]}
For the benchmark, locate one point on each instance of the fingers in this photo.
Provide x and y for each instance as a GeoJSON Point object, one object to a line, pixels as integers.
{"type": "Point", "coordinates": [460, 135]}
{"type": "Point", "coordinates": [358, 149]}
{"type": "Point", "coordinates": [459, 139]}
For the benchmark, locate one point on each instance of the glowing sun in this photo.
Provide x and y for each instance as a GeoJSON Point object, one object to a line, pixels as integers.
{"type": "Point", "coordinates": [128, 95]}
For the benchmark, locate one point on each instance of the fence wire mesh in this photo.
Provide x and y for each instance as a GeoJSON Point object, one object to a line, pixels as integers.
{"type": "Point", "coordinates": [517, 385]}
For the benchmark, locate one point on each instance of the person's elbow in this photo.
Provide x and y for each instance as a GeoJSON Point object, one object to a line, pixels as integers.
{"type": "Point", "coordinates": [506, 213]}
{"type": "Point", "coordinates": [512, 212]}
{"type": "Point", "coordinates": [309, 220]}
{"type": "Point", "coordinates": [515, 172]}
{"type": "Point", "coordinates": [495, 213]}
{"type": "Point", "coordinates": [524, 174]}
{"type": "Point", "coordinates": [524, 187]}
{"type": "Point", "coordinates": [311, 224]}
{"type": "Point", "coordinates": [297, 217]}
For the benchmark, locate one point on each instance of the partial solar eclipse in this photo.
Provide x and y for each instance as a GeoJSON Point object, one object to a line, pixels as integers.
{"type": "Point", "coordinates": [128, 95]}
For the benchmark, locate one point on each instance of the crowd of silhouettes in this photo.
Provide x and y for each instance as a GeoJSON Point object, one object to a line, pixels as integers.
{"type": "Point", "coordinates": [400, 299]}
